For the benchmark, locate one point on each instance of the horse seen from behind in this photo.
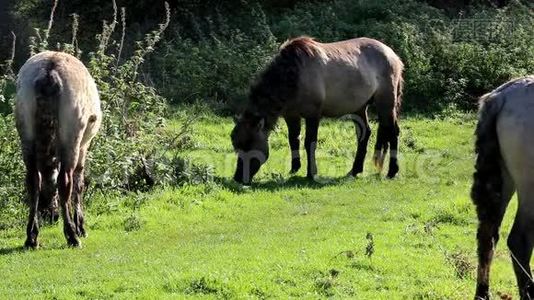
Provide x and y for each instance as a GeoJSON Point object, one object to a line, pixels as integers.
{"type": "Point", "coordinates": [57, 114]}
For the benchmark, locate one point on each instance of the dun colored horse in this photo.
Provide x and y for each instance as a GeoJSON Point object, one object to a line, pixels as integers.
{"type": "Point", "coordinates": [504, 165]}
{"type": "Point", "coordinates": [57, 114]}
{"type": "Point", "coordinates": [311, 80]}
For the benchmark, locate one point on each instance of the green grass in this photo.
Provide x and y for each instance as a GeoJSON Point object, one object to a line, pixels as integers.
{"type": "Point", "coordinates": [284, 236]}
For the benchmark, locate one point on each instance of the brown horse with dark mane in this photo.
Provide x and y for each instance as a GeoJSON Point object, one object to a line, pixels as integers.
{"type": "Point", "coordinates": [311, 80]}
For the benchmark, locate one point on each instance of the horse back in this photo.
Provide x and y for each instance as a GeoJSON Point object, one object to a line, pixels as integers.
{"type": "Point", "coordinates": [515, 126]}
{"type": "Point", "coordinates": [347, 75]}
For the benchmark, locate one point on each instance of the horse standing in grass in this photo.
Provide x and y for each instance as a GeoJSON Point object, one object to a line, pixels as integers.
{"type": "Point", "coordinates": [311, 80]}
{"type": "Point", "coordinates": [504, 165]}
{"type": "Point", "coordinates": [57, 114]}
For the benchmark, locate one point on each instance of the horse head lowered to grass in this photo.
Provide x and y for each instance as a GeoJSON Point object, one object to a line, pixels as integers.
{"type": "Point", "coordinates": [311, 80]}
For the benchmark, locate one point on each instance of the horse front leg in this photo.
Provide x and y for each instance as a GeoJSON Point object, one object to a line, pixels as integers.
{"type": "Point", "coordinates": [310, 143]}
{"type": "Point", "coordinates": [363, 132]}
{"type": "Point", "coordinates": [293, 133]}
{"type": "Point", "coordinates": [491, 199]}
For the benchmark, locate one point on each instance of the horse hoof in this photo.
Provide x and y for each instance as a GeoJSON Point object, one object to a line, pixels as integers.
{"type": "Point", "coordinates": [392, 172]}
{"type": "Point", "coordinates": [82, 233]}
{"type": "Point", "coordinates": [354, 172]}
{"type": "Point", "coordinates": [29, 244]}
{"type": "Point", "coordinates": [295, 167]}
{"type": "Point", "coordinates": [74, 243]}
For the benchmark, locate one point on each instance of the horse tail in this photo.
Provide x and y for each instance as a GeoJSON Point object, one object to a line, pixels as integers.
{"type": "Point", "coordinates": [48, 86]}
{"type": "Point", "coordinates": [47, 91]}
{"type": "Point", "coordinates": [388, 130]}
{"type": "Point", "coordinates": [400, 93]}
{"type": "Point", "coordinates": [488, 178]}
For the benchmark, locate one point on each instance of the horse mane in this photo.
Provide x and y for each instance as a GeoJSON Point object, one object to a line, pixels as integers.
{"type": "Point", "coordinates": [303, 46]}
{"type": "Point", "coordinates": [278, 83]}
{"type": "Point", "coordinates": [528, 80]}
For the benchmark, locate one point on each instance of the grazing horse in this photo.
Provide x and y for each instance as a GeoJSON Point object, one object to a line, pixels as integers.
{"type": "Point", "coordinates": [311, 80]}
{"type": "Point", "coordinates": [504, 165]}
{"type": "Point", "coordinates": [57, 114]}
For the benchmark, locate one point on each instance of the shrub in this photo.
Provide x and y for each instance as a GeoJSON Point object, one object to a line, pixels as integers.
{"type": "Point", "coordinates": [216, 64]}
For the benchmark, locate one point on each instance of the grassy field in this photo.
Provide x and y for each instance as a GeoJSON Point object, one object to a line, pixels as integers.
{"type": "Point", "coordinates": [366, 238]}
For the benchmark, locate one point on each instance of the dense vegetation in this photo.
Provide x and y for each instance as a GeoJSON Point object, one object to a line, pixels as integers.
{"type": "Point", "coordinates": [212, 49]}
{"type": "Point", "coordinates": [163, 70]}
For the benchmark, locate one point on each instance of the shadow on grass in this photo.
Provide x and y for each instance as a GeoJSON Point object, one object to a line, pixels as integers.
{"type": "Point", "coordinates": [11, 250]}
{"type": "Point", "coordinates": [289, 183]}
{"type": "Point", "coordinates": [22, 249]}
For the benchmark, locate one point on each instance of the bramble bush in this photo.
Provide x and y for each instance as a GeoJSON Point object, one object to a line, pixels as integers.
{"type": "Point", "coordinates": [11, 166]}
{"type": "Point", "coordinates": [216, 60]}
{"type": "Point", "coordinates": [214, 49]}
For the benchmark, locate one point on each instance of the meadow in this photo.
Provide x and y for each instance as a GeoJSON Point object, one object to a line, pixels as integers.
{"type": "Point", "coordinates": [412, 237]}
{"type": "Point", "coordinates": [165, 219]}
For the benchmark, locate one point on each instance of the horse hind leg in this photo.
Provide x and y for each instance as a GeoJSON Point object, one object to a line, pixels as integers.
{"type": "Point", "coordinates": [33, 187]}
{"type": "Point", "coordinates": [48, 199]}
{"type": "Point", "coordinates": [293, 133]}
{"type": "Point", "coordinates": [363, 132]}
{"type": "Point", "coordinates": [492, 190]}
{"type": "Point", "coordinates": [310, 143]}
{"type": "Point", "coordinates": [78, 188]}
{"type": "Point", "coordinates": [521, 242]}
{"type": "Point", "coordinates": [394, 149]}
{"type": "Point", "coordinates": [387, 133]}
{"type": "Point", "coordinates": [381, 148]}
{"type": "Point", "coordinates": [68, 161]}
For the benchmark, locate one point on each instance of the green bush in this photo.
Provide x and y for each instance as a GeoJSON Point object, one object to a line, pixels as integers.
{"type": "Point", "coordinates": [217, 64]}
{"type": "Point", "coordinates": [215, 49]}
{"type": "Point", "coordinates": [448, 63]}
{"type": "Point", "coordinates": [11, 175]}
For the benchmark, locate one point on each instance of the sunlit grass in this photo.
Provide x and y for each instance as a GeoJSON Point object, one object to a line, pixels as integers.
{"type": "Point", "coordinates": [282, 237]}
